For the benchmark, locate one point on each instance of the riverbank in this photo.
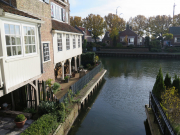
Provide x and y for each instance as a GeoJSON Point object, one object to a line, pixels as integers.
{"type": "Point", "coordinates": [82, 97]}
{"type": "Point", "coordinates": [139, 54]}
{"type": "Point", "coordinates": [150, 117]}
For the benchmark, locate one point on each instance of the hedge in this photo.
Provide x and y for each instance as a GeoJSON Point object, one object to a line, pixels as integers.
{"type": "Point", "coordinates": [88, 58]}
{"type": "Point", "coordinates": [43, 126]}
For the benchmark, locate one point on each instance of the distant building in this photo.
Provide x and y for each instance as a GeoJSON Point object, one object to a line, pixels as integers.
{"type": "Point", "coordinates": [86, 33]}
{"type": "Point", "coordinates": [176, 36]}
{"type": "Point", "coordinates": [132, 37]}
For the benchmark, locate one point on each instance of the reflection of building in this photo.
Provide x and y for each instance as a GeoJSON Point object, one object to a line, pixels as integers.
{"type": "Point", "coordinates": [127, 35]}
{"type": "Point", "coordinates": [35, 39]}
{"type": "Point", "coordinates": [176, 36]}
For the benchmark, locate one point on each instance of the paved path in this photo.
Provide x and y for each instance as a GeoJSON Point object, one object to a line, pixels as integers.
{"type": "Point", "coordinates": [8, 127]}
{"type": "Point", "coordinates": [85, 91]}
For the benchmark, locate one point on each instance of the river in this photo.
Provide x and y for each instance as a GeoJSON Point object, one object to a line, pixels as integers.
{"type": "Point", "coordinates": [117, 108]}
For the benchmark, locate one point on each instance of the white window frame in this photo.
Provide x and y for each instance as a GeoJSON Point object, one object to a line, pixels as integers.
{"type": "Point", "coordinates": [79, 41]}
{"type": "Point", "coordinates": [56, 8]}
{"type": "Point", "coordinates": [60, 43]}
{"type": "Point", "coordinates": [74, 41]}
{"type": "Point", "coordinates": [131, 39]}
{"type": "Point", "coordinates": [46, 42]}
{"type": "Point", "coordinates": [176, 39]}
{"type": "Point", "coordinates": [67, 42]}
{"type": "Point", "coordinates": [21, 24]}
{"type": "Point", "coordinates": [26, 25]}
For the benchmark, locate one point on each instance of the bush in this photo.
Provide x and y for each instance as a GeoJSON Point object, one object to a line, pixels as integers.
{"type": "Point", "coordinates": [20, 118]}
{"type": "Point", "coordinates": [176, 83]}
{"type": "Point", "coordinates": [43, 126]}
{"type": "Point", "coordinates": [29, 110]}
{"type": "Point", "coordinates": [56, 87]}
{"type": "Point", "coordinates": [155, 50]}
{"type": "Point", "coordinates": [119, 45]}
{"type": "Point", "coordinates": [46, 107]}
{"type": "Point", "coordinates": [159, 87]}
{"type": "Point", "coordinates": [167, 81]}
{"type": "Point", "coordinates": [88, 58]}
{"type": "Point", "coordinates": [103, 44]}
{"type": "Point", "coordinates": [66, 77]}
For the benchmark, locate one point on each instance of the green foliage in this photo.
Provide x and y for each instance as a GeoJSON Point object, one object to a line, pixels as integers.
{"type": "Point", "coordinates": [20, 118]}
{"type": "Point", "coordinates": [155, 50]}
{"type": "Point", "coordinates": [29, 110]}
{"type": "Point", "coordinates": [119, 45]}
{"type": "Point", "coordinates": [61, 113]}
{"type": "Point", "coordinates": [172, 49]}
{"type": "Point", "coordinates": [96, 58]}
{"type": "Point", "coordinates": [88, 58]}
{"type": "Point", "coordinates": [167, 36]}
{"type": "Point", "coordinates": [176, 83]}
{"type": "Point", "coordinates": [103, 44]}
{"type": "Point", "coordinates": [147, 40]}
{"type": "Point", "coordinates": [155, 44]}
{"type": "Point", "coordinates": [167, 81]}
{"type": "Point", "coordinates": [46, 107]}
{"type": "Point", "coordinates": [43, 126]}
{"type": "Point", "coordinates": [66, 77]}
{"type": "Point", "coordinates": [84, 44]}
{"type": "Point", "coordinates": [159, 85]}
{"type": "Point", "coordinates": [88, 66]}
{"type": "Point", "coordinates": [49, 82]}
{"type": "Point", "coordinates": [56, 87]}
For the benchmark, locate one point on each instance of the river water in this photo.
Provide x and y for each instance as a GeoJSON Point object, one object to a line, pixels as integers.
{"type": "Point", "coordinates": [117, 108]}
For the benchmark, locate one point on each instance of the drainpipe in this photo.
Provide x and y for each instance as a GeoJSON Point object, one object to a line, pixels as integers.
{"type": "Point", "coordinates": [39, 30]}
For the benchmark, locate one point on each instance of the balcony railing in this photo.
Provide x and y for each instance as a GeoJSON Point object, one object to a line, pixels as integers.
{"type": "Point", "coordinates": [1, 82]}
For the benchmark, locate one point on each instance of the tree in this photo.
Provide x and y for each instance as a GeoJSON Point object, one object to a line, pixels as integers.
{"type": "Point", "coordinates": [139, 24]}
{"type": "Point", "coordinates": [76, 21]}
{"type": "Point", "coordinates": [159, 87]}
{"type": "Point", "coordinates": [167, 36]}
{"type": "Point", "coordinates": [147, 40]}
{"type": "Point", "coordinates": [176, 20]}
{"type": "Point", "coordinates": [113, 35]}
{"type": "Point", "coordinates": [167, 81]}
{"type": "Point", "coordinates": [95, 23]}
{"type": "Point", "coordinates": [176, 83]}
{"type": "Point", "coordinates": [126, 40]}
{"type": "Point", "coordinates": [171, 104]}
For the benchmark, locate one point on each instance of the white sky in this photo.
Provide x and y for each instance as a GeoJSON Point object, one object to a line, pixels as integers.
{"type": "Point", "coordinates": [128, 8]}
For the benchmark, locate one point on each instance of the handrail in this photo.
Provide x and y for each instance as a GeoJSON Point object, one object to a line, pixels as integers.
{"type": "Point", "coordinates": [166, 126]}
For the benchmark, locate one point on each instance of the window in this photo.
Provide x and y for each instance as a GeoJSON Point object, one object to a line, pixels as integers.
{"type": "Point", "coordinates": [13, 39]}
{"type": "Point", "coordinates": [59, 42]}
{"type": "Point", "coordinates": [177, 39]}
{"type": "Point", "coordinates": [67, 42]}
{"type": "Point", "coordinates": [74, 41]}
{"type": "Point", "coordinates": [131, 40]}
{"type": "Point", "coordinates": [78, 41]}
{"type": "Point", "coordinates": [29, 39]}
{"type": "Point", "coordinates": [46, 51]}
{"type": "Point", "coordinates": [121, 39]}
{"type": "Point", "coordinates": [57, 12]}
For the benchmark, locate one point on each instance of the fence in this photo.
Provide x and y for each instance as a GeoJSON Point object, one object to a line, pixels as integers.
{"type": "Point", "coordinates": [45, 94]}
{"type": "Point", "coordinates": [164, 124]}
{"type": "Point", "coordinates": [83, 81]}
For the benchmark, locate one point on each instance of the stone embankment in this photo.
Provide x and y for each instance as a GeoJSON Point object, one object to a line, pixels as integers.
{"type": "Point", "coordinates": [82, 97]}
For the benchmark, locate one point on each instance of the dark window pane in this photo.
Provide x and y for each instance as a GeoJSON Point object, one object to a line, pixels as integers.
{"type": "Point", "coordinates": [26, 40]}
{"type": "Point", "coordinates": [14, 50]}
{"type": "Point", "coordinates": [29, 30]}
{"type": "Point", "coordinates": [9, 51]}
{"type": "Point", "coordinates": [26, 49]}
{"type": "Point", "coordinates": [33, 40]}
{"type": "Point", "coordinates": [34, 48]}
{"type": "Point", "coordinates": [29, 38]}
{"type": "Point", "coordinates": [30, 49]}
{"type": "Point", "coordinates": [13, 40]}
{"type": "Point", "coordinates": [18, 41]}
{"type": "Point", "coordinates": [19, 50]}
{"type": "Point", "coordinates": [8, 41]}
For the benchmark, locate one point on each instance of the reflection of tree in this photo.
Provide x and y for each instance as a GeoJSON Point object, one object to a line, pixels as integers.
{"type": "Point", "coordinates": [137, 67]}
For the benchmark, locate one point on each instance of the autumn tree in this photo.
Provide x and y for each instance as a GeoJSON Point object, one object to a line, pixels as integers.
{"type": "Point", "coordinates": [126, 40]}
{"type": "Point", "coordinates": [95, 23]}
{"type": "Point", "coordinates": [113, 35]}
{"type": "Point", "coordinates": [171, 104]}
{"type": "Point", "coordinates": [138, 24]}
{"type": "Point", "coordinates": [176, 20]}
{"type": "Point", "coordinates": [76, 21]}
{"type": "Point", "coordinates": [167, 36]}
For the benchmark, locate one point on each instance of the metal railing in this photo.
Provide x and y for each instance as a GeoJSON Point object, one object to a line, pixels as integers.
{"type": "Point", "coordinates": [164, 124]}
{"type": "Point", "coordinates": [76, 87]}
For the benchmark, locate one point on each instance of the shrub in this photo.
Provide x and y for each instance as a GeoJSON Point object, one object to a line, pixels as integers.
{"type": "Point", "coordinates": [119, 45]}
{"type": "Point", "coordinates": [66, 77]}
{"type": "Point", "coordinates": [46, 107]}
{"type": "Point", "coordinates": [88, 58]}
{"type": "Point", "coordinates": [20, 118]}
{"type": "Point", "coordinates": [159, 85]}
{"type": "Point", "coordinates": [167, 81]}
{"type": "Point", "coordinates": [29, 110]}
{"type": "Point", "coordinates": [48, 82]}
{"type": "Point", "coordinates": [155, 50]}
{"type": "Point", "coordinates": [43, 126]}
{"type": "Point", "coordinates": [56, 87]}
{"type": "Point", "coordinates": [61, 113]}
{"type": "Point", "coordinates": [176, 83]}
{"type": "Point", "coordinates": [103, 44]}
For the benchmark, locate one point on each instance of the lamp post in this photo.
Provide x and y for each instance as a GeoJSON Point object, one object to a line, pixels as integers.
{"type": "Point", "coordinates": [116, 9]}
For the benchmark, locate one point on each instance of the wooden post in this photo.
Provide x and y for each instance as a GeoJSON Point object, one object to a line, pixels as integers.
{"type": "Point", "coordinates": [44, 90]}
{"type": "Point", "coordinates": [12, 98]}
{"type": "Point", "coordinates": [38, 85]}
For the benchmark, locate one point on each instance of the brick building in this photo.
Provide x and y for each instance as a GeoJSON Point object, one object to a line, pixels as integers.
{"type": "Point", "coordinates": [132, 38]}
{"type": "Point", "coordinates": [176, 36]}
{"type": "Point", "coordinates": [36, 43]}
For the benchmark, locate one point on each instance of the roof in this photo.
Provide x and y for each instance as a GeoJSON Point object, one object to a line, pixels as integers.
{"type": "Point", "coordinates": [174, 30]}
{"type": "Point", "coordinates": [12, 10]}
{"type": "Point", "coordinates": [63, 27]}
{"type": "Point", "coordinates": [83, 30]}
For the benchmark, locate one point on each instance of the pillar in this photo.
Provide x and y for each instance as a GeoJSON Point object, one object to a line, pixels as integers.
{"type": "Point", "coordinates": [79, 60]}
{"type": "Point", "coordinates": [62, 70]}
{"type": "Point", "coordinates": [69, 66]}
{"type": "Point", "coordinates": [75, 61]}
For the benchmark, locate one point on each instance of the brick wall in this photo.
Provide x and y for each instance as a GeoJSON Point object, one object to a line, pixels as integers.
{"type": "Point", "coordinates": [43, 11]}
